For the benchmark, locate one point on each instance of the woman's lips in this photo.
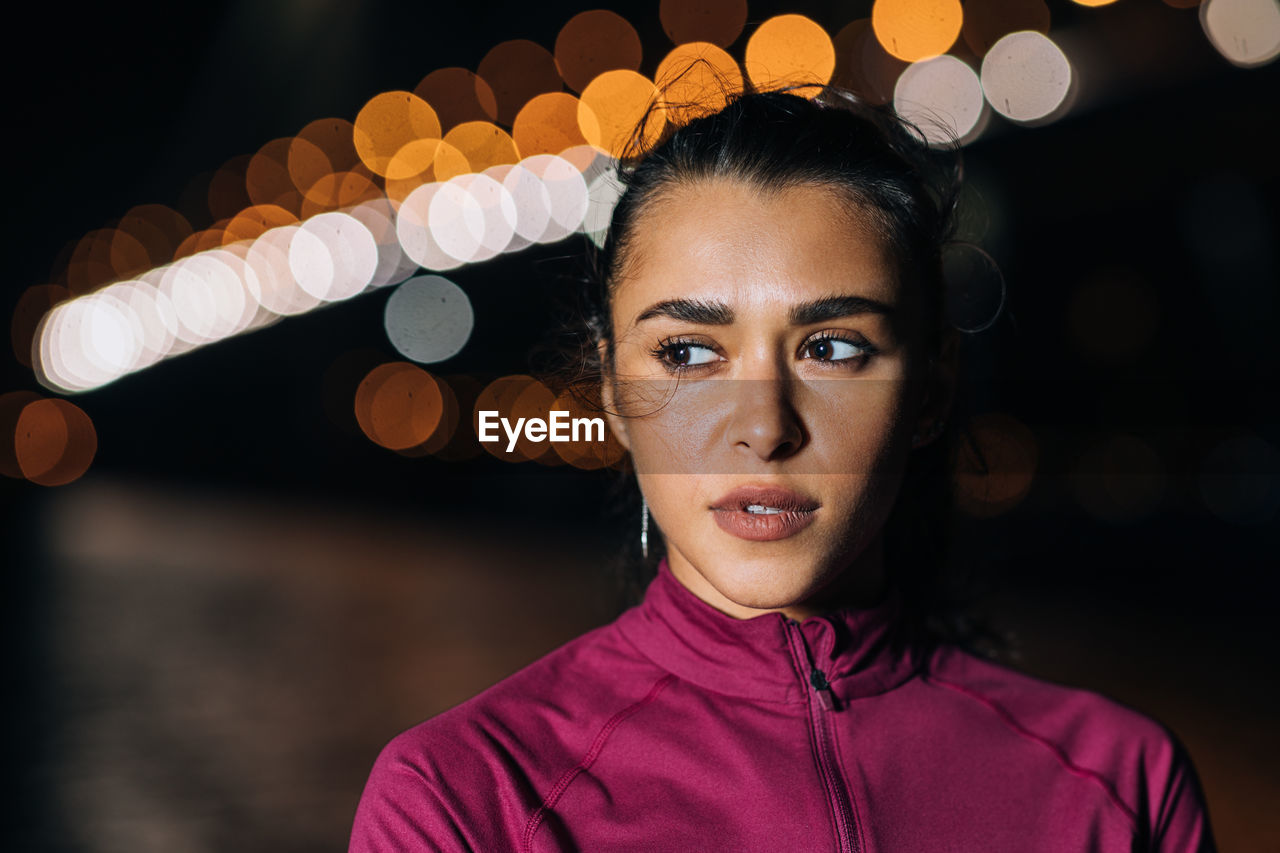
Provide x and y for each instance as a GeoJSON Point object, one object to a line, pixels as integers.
{"type": "Point", "coordinates": [779, 513]}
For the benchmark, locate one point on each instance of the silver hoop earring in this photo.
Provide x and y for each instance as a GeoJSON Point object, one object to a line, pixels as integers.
{"type": "Point", "coordinates": [644, 526]}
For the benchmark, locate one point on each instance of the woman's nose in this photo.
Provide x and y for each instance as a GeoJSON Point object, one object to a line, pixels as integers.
{"type": "Point", "coordinates": [765, 422]}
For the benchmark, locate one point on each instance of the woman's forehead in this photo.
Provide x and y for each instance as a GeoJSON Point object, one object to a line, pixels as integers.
{"type": "Point", "coordinates": [733, 243]}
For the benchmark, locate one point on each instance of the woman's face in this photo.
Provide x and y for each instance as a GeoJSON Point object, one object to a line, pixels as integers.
{"type": "Point", "coordinates": [767, 377]}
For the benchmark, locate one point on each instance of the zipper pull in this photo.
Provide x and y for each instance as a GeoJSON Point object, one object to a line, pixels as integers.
{"type": "Point", "coordinates": [823, 687]}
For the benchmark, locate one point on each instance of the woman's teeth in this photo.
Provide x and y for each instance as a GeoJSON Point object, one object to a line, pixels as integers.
{"type": "Point", "coordinates": [763, 510]}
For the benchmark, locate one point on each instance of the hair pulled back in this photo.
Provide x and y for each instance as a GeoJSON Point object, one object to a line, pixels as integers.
{"type": "Point", "coordinates": [881, 166]}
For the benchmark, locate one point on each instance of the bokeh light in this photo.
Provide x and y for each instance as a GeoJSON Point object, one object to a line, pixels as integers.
{"type": "Point", "coordinates": [863, 65]}
{"type": "Point", "coordinates": [54, 442]}
{"type": "Point", "coordinates": [398, 405]}
{"type": "Point", "coordinates": [483, 143]}
{"type": "Point", "coordinates": [567, 192]}
{"type": "Point", "coordinates": [603, 194]}
{"type": "Point", "coordinates": [593, 42]}
{"type": "Point", "coordinates": [789, 49]}
{"type": "Point", "coordinates": [11, 405]}
{"type": "Point", "coordinates": [975, 287]}
{"type": "Point", "coordinates": [267, 177]}
{"type": "Point", "coordinates": [916, 29]}
{"type": "Point", "coordinates": [333, 256]}
{"type": "Point", "coordinates": [1245, 32]}
{"type": "Point", "coordinates": [548, 124]}
{"type": "Point", "coordinates": [413, 229]}
{"type": "Point", "coordinates": [338, 190]}
{"type": "Point", "coordinates": [461, 444]}
{"type": "Point", "coordinates": [518, 71]}
{"type": "Point", "coordinates": [534, 402]}
{"type": "Point", "coordinates": [458, 95]}
{"type": "Point", "coordinates": [228, 193]}
{"type": "Point", "coordinates": [394, 266]}
{"type": "Point", "coordinates": [253, 222]}
{"type": "Point", "coordinates": [718, 22]}
{"type": "Point", "coordinates": [995, 466]}
{"type": "Point", "coordinates": [531, 201]}
{"type": "Point", "coordinates": [1026, 76]}
{"type": "Point", "coordinates": [467, 228]}
{"type": "Point", "coordinates": [586, 454]}
{"type": "Point", "coordinates": [501, 396]}
{"type": "Point", "coordinates": [389, 122]}
{"type": "Point", "coordinates": [428, 319]}
{"type": "Point", "coordinates": [942, 97]}
{"type": "Point", "coordinates": [611, 108]}
{"type": "Point", "coordinates": [696, 79]}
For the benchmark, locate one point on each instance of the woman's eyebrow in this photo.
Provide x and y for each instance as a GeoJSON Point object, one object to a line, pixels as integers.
{"type": "Point", "coordinates": [803, 314]}
{"type": "Point", "coordinates": [835, 307]}
{"type": "Point", "coordinates": [690, 311]}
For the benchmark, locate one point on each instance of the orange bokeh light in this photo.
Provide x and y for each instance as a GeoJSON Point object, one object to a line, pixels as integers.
{"type": "Point", "coordinates": [588, 455]}
{"type": "Point", "coordinates": [788, 49]}
{"type": "Point", "coordinates": [338, 190]}
{"type": "Point", "coordinates": [917, 29]}
{"type": "Point", "coordinates": [483, 143]}
{"type": "Point", "coordinates": [612, 107]}
{"type": "Point", "coordinates": [518, 71]}
{"type": "Point", "coordinates": [322, 147]}
{"type": "Point", "coordinates": [719, 22]}
{"type": "Point", "coordinates": [548, 124]}
{"type": "Point", "coordinates": [253, 222]}
{"type": "Point", "coordinates": [591, 43]}
{"type": "Point", "coordinates": [398, 405]}
{"type": "Point", "coordinates": [863, 65]}
{"type": "Point", "coordinates": [228, 193]}
{"type": "Point", "coordinates": [995, 471]}
{"type": "Point", "coordinates": [54, 442]}
{"type": "Point", "coordinates": [458, 95]}
{"type": "Point", "coordinates": [267, 179]}
{"type": "Point", "coordinates": [501, 395]}
{"type": "Point", "coordinates": [420, 162]}
{"type": "Point", "coordinates": [11, 406]}
{"type": "Point", "coordinates": [389, 122]}
{"type": "Point", "coordinates": [696, 79]}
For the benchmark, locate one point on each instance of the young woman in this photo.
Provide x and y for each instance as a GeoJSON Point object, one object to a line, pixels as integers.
{"type": "Point", "coordinates": [771, 348]}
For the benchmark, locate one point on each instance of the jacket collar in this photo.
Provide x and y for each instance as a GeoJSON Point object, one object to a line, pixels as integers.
{"type": "Point", "coordinates": [754, 658]}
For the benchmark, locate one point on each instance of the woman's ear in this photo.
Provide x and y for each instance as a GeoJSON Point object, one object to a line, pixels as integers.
{"type": "Point", "coordinates": [940, 390]}
{"type": "Point", "coordinates": [617, 424]}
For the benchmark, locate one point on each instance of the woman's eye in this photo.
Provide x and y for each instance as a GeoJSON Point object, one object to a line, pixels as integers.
{"type": "Point", "coordinates": [688, 354]}
{"type": "Point", "coordinates": [835, 349]}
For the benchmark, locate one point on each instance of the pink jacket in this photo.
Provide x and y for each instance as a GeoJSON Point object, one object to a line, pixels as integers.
{"type": "Point", "coordinates": [677, 727]}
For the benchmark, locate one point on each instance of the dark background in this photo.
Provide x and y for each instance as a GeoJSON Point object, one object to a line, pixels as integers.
{"type": "Point", "coordinates": [211, 633]}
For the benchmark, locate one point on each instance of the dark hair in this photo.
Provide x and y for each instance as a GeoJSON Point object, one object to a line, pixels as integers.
{"type": "Point", "coordinates": [882, 166]}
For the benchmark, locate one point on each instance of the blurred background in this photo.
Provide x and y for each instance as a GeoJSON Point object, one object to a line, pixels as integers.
{"type": "Point", "coordinates": [230, 577]}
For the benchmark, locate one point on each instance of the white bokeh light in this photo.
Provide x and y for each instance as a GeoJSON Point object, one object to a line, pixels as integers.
{"type": "Point", "coordinates": [428, 319]}
{"type": "Point", "coordinates": [1025, 76]}
{"type": "Point", "coordinates": [1245, 32]}
{"type": "Point", "coordinates": [942, 96]}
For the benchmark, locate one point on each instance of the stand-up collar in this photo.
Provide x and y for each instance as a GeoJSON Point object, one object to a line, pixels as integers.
{"type": "Point", "coordinates": [752, 658]}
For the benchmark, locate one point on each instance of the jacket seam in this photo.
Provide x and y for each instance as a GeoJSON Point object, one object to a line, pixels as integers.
{"type": "Point", "coordinates": [597, 746]}
{"type": "Point", "coordinates": [1054, 749]}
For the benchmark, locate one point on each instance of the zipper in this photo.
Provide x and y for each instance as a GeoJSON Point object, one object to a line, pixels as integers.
{"type": "Point", "coordinates": [821, 702]}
